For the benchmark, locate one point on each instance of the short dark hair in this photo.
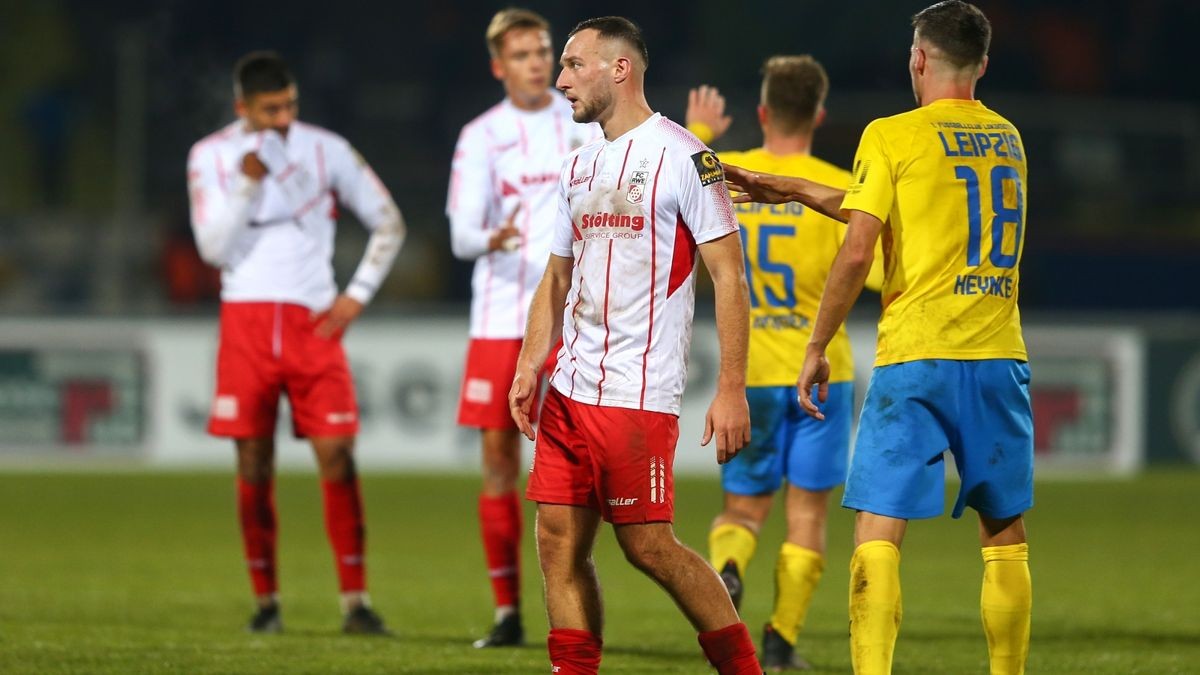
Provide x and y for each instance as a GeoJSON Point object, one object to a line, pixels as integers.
{"type": "Point", "coordinates": [616, 28]}
{"type": "Point", "coordinates": [261, 72]}
{"type": "Point", "coordinates": [957, 28]}
{"type": "Point", "coordinates": [793, 89]}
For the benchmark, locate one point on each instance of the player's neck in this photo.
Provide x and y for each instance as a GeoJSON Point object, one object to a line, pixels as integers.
{"type": "Point", "coordinates": [528, 104]}
{"type": "Point", "coordinates": [781, 145]}
{"type": "Point", "coordinates": [626, 114]}
{"type": "Point", "coordinates": [937, 90]}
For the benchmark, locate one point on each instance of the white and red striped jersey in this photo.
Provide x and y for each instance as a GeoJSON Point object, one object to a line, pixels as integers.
{"type": "Point", "coordinates": [508, 158]}
{"type": "Point", "coordinates": [631, 213]}
{"type": "Point", "coordinates": [273, 239]}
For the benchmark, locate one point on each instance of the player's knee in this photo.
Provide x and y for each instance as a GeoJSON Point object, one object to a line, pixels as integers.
{"type": "Point", "coordinates": [648, 554]}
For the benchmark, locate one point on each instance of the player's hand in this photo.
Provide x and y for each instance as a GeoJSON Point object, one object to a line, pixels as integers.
{"type": "Point", "coordinates": [273, 152]}
{"type": "Point", "coordinates": [706, 106]}
{"type": "Point", "coordinates": [253, 167]}
{"type": "Point", "coordinates": [728, 419]}
{"type": "Point", "coordinates": [520, 400]}
{"type": "Point", "coordinates": [748, 186]}
{"type": "Point", "coordinates": [335, 319]}
{"type": "Point", "coordinates": [508, 237]}
{"type": "Point", "coordinates": [814, 373]}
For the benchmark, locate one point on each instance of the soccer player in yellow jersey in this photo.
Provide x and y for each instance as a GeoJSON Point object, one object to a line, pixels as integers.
{"type": "Point", "coordinates": [789, 249]}
{"type": "Point", "coordinates": [945, 186]}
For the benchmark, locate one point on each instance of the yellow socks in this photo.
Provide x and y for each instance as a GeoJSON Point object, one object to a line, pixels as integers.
{"type": "Point", "coordinates": [874, 606]}
{"type": "Point", "coordinates": [1005, 604]}
{"type": "Point", "coordinates": [797, 572]}
{"type": "Point", "coordinates": [731, 542]}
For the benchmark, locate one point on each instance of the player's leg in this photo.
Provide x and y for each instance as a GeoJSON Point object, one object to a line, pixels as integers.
{"type": "Point", "coordinates": [259, 525]}
{"type": "Point", "coordinates": [244, 408]}
{"type": "Point", "coordinates": [565, 538]}
{"type": "Point", "coordinates": [749, 481]}
{"type": "Point", "coordinates": [897, 473]}
{"type": "Point", "coordinates": [324, 410]}
{"type": "Point", "coordinates": [996, 464]}
{"type": "Point", "coordinates": [562, 482]}
{"type": "Point", "coordinates": [489, 370]}
{"type": "Point", "coordinates": [814, 458]}
{"type": "Point", "coordinates": [696, 588]}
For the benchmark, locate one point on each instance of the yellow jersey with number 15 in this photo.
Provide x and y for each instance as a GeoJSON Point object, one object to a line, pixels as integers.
{"type": "Point", "coordinates": [948, 182]}
{"type": "Point", "coordinates": [789, 250]}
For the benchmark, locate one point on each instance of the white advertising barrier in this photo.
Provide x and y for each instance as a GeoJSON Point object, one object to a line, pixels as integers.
{"type": "Point", "coordinates": [141, 391]}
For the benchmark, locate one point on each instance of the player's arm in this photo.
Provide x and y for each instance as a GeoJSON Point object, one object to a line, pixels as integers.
{"type": "Point", "coordinates": [469, 197]}
{"type": "Point", "coordinates": [728, 417]}
{"type": "Point", "coordinates": [542, 330]}
{"type": "Point", "coordinates": [300, 189]}
{"type": "Point", "coordinates": [360, 190]}
{"type": "Point", "coordinates": [767, 188]}
{"type": "Point", "coordinates": [219, 213]}
{"type": "Point", "coordinates": [705, 116]}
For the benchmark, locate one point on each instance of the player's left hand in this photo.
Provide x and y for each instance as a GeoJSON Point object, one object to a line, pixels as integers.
{"type": "Point", "coordinates": [728, 419]}
{"type": "Point", "coordinates": [706, 106]}
{"type": "Point", "coordinates": [334, 320]}
{"type": "Point", "coordinates": [749, 186]}
{"type": "Point", "coordinates": [814, 373]}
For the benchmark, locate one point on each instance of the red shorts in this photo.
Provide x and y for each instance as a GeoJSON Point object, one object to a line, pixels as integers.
{"type": "Point", "coordinates": [616, 460]}
{"type": "Point", "coordinates": [268, 349]}
{"type": "Point", "coordinates": [491, 366]}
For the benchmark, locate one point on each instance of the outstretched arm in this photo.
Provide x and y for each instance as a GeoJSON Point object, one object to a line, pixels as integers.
{"type": "Point", "coordinates": [542, 330]}
{"type": "Point", "coordinates": [728, 417]}
{"type": "Point", "coordinates": [767, 188]}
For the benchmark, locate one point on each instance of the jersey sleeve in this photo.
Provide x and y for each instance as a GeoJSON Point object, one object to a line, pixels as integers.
{"type": "Point", "coordinates": [221, 203]}
{"type": "Point", "coordinates": [872, 186]}
{"type": "Point", "coordinates": [564, 227]}
{"type": "Point", "coordinates": [703, 197]}
{"type": "Point", "coordinates": [470, 194]}
{"type": "Point", "coordinates": [360, 190]}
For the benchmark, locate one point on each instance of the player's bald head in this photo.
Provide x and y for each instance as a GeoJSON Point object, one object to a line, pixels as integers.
{"type": "Point", "coordinates": [959, 32]}
{"type": "Point", "coordinates": [617, 36]}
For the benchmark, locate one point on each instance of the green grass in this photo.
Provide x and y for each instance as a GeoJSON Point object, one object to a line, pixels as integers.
{"type": "Point", "coordinates": [142, 572]}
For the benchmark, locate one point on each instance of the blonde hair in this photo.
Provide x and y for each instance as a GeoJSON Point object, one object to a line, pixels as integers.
{"type": "Point", "coordinates": [793, 90]}
{"type": "Point", "coordinates": [509, 19]}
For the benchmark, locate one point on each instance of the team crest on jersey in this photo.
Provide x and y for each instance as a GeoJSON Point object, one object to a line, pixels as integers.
{"type": "Point", "coordinates": [708, 167]}
{"type": "Point", "coordinates": [637, 187]}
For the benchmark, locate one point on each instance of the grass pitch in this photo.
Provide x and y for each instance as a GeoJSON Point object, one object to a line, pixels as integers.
{"type": "Point", "coordinates": [143, 573]}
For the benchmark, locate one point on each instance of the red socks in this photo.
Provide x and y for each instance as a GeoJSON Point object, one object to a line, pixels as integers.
{"type": "Point", "coordinates": [256, 512]}
{"type": "Point", "coordinates": [730, 650]}
{"type": "Point", "coordinates": [575, 652]}
{"type": "Point", "coordinates": [500, 522]}
{"type": "Point", "coordinates": [347, 533]}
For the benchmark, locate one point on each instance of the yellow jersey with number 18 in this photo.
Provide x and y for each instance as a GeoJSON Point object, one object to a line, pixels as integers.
{"type": "Point", "coordinates": [789, 250]}
{"type": "Point", "coordinates": [948, 181]}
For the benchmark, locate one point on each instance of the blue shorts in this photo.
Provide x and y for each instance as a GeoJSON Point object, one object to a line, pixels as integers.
{"type": "Point", "coordinates": [915, 411]}
{"type": "Point", "coordinates": [785, 442]}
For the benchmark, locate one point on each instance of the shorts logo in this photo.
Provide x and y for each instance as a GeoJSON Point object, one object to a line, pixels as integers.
{"type": "Point", "coordinates": [340, 417]}
{"type": "Point", "coordinates": [658, 480]}
{"type": "Point", "coordinates": [478, 391]}
{"type": "Point", "coordinates": [225, 407]}
{"type": "Point", "coordinates": [622, 501]}
{"type": "Point", "coordinates": [637, 187]}
{"type": "Point", "coordinates": [708, 168]}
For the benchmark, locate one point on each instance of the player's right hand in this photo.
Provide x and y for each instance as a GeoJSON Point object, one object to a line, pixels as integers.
{"type": "Point", "coordinates": [706, 106]}
{"type": "Point", "coordinates": [520, 400]}
{"type": "Point", "coordinates": [814, 373]}
{"type": "Point", "coordinates": [508, 237]}
{"type": "Point", "coordinates": [253, 167]}
{"type": "Point", "coordinates": [749, 186]}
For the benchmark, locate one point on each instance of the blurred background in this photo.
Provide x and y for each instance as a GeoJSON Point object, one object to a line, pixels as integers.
{"type": "Point", "coordinates": [99, 103]}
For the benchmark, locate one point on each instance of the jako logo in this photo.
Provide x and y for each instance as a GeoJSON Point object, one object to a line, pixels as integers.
{"type": "Point", "coordinates": [622, 501]}
{"type": "Point", "coordinates": [635, 223]}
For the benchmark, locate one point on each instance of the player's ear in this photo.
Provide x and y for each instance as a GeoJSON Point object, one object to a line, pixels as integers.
{"type": "Point", "coordinates": [982, 67]}
{"type": "Point", "coordinates": [819, 118]}
{"type": "Point", "coordinates": [497, 68]}
{"type": "Point", "coordinates": [622, 69]}
{"type": "Point", "coordinates": [762, 116]}
{"type": "Point", "coordinates": [239, 106]}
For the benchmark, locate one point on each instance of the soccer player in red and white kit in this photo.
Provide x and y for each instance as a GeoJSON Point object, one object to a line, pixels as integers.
{"type": "Point", "coordinates": [264, 193]}
{"type": "Point", "coordinates": [502, 203]}
{"type": "Point", "coordinates": [634, 209]}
